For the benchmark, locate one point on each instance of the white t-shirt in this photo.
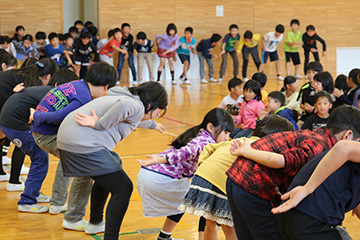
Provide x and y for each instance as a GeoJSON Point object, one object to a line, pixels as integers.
{"type": "Point", "coordinates": [229, 100]}
{"type": "Point", "coordinates": [102, 43]}
{"type": "Point", "coordinates": [10, 49]}
{"type": "Point", "coordinates": [271, 42]}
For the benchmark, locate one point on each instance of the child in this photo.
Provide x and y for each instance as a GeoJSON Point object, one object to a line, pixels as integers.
{"type": "Point", "coordinates": [353, 84]}
{"type": "Point", "coordinates": [126, 45]}
{"type": "Point", "coordinates": [79, 26]}
{"type": "Point", "coordinates": [249, 110]}
{"type": "Point", "coordinates": [290, 91]}
{"type": "Point", "coordinates": [7, 62]}
{"type": "Point", "coordinates": [270, 41]}
{"type": "Point", "coordinates": [103, 41]}
{"type": "Point", "coordinates": [309, 39]}
{"type": "Point", "coordinates": [167, 44]}
{"type": "Point", "coordinates": [54, 50]}
{"type": "Point", "coordinates": [292, 41]}
{"type": "Point", "coordinates": [107, 52]}
{"type": "Point", "coordinates": [323, 81]}
{"type": "Point", "coordinates": [7, 45]}
{"type": "Point", "coordinates": [25, 49]}
{"type": "Point", "coordinates": [261, 78]}
{"type": "Point", "coordinates": [94, 31]}
{"type": "Point", "coordinates": [187, 45]}
{"type": "Point", "coordinates": [228, 46]}
{"type": "Point", "coordinates": [275, 105]}
{"type": "Point", "coordinates": [19, 34]}
{"type": "Point", "coordinates": [175, 166]}
{"type": "Point", "coordinates": [321, 116]}
{"type": "Point", "coordinates": [203, 52]}
{"type": "Point", "coordinates": [249, 45]}
{"type": "Point", "coordinates": [74, 32]}
{"type": "Point", "coordinates": [142, 49]}
{"type": "Point", "coordinates": [40, 42]}
{"type": "Point", "coordinates": [233, 101]}
{"type": "Point", "coordinates": [68, 46]}
{"type": "Point", "coordinates": [266, 168]}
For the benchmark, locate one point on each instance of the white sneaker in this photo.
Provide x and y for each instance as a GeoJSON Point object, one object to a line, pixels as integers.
{"type": "Point", "coordinates": [13, 187]}
{"type": "Point", "coordinates": [33, 208]}
{"type": "Point", "coordinates": [43, 198]}
{"type": "Point", "coordinates": [203, 81]}
{"type": "Point", "coordinates": [173, 82]}
{"type": "Point", "coordinates": [160, 82]}
{"type": "Point", "coordinates": [280, 78]}
{"type": "Point", "coordinates": [212, 80]}
{"type": "Point", "coordinates": [298, 76]}
{"type": "Point", "coordinates": [95, 228]}
{"type": "Point", "coordinates": [187, 82]}
{"type": "Point", "coordinates": [220, 79]}
{"type": "Point", "coordinates": [77, 226]}
{"type": "Point", "coordinates": [4, 178]}
{"type": "Point", "coordinates": [6, 160]}
{"type": "Point", "coordinates": [181, 78]}
{"type": "Point", "coordinates": [57, 209]}
{"type": "Point", "coordinates": [24, 169]}
{"type": "Point", "coordinates": [246, 79]}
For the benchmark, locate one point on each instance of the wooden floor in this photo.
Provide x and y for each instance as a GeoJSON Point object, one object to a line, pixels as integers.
{"type": "Point", "coordinates": [188, 105]}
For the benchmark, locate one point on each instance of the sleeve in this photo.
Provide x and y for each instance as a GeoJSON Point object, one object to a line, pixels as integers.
{"type": "Point", "coordinates": [355, 100]}
{"type": "Point", "coordinates": [151, 43]}
{"type": "Point", "coordinates": [150, 124]}
{"type": "Point", "coordinates": [344, 99]}
{"type": "Point", "coordinates": [226, 38]}
{"type": "Point", "coordinates": [256, 38]}
{"type": "Point", "coordinates": [176, 43]}
{"type": "Point", "coordinates": [13, 49]}
{"type": "Point", "coordinates": [294, 103]}
{"type": "Point", "coordinates": [288, 38]}
{"type": "Point", "coordinates": [131, 43]}
{"type": "Point", "coordinates": [305, 46]}
{"type": "Point", "coordinates": [222, 104]}
{"type": "Point", "coordinates": [158, 37]}
{"type": "Point", "coordinates": [240, 45]}
{"type": "Point", "coordinates": [36, 54]}
{"type": "Point", "coordinates": [96, 58]}
{"type": "Point", "coordinates": [307, 124]}
{"type": "Point", "coordinates": [136, 45]}
{"type": "Point", "coordinates": [317, 37]}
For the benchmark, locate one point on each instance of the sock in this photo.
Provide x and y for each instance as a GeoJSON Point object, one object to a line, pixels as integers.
{"type": "Point", "coordinates": [159, 74]}
{"type": "Point", "coordinates": [2, 172]}
{"type": "Point", "coordinates": [17, 160]}
{"type": "Point", "coordinates": [278, 75]}
{"type": "Point", "coordinates": [164, 235]}
{"type": "Point", "coordinates": [172, 75]}
{"type": "Point", "coordinates": [6, 146]}
{"type": "Point", "coordinates": [185, 79]}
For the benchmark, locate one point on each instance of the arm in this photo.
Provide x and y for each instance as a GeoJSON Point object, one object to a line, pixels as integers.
{"type": "Point", "coordinates": [263, 43]}
{"type": "Point", "coordinates": [13, 49]}
{"type": "Point", "coordinates": [240, 46]}
{"type": "Point", "coordinates": [36, 54]}
{"type": "Point", "coordinates": [97, 58]}
{"type": "Point", "coordinates": [151, 124]}
{"type": "Point", "coordinates": [317, 37]}
{"type": "Point", "coordinates": [67, 56]}
{"type": "Point", "coordinates": [176, 44]}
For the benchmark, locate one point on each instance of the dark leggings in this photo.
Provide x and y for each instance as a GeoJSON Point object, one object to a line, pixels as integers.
{"type": "Point", "coordinates": [120, 187]}
{"type": "Point", "coordinates": [6, 146]}
{"type": "Point", "coordinates": [17, 161]}
{"type": "Point", "coordinates": [2, 172]}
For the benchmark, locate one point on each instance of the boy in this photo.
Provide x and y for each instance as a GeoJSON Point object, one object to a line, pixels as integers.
{"type": "Point", "coordinates": [54, 50]}
{"type": "Point", "coordinates": [142, 49]}
{"type": "Point", "coordinates": [203, 52]}
{"type": "Point", "coordinates": [107, 52]}
{"type": "Point", "coordinates": [7, 45]}
{"type": "Point", "coordinates": [249, 45]}
{"type": "Point", "coordinates": [270, 41]}
{"type": "Point", "coordinates": [127, 45]}
{"type": "Point", "coordinates": [103, 41]}
{"type": "Point", "coordinates": [261, 78]}
{"type": "Point", "coordinates": [79, 25]}
{"type": "Point", "coordinates": [187, 44]}
{"type": "Point", "coordinates": [228, 46]}
{"type": "Point", "coordinates": [292, 41]}
{"type": "Point", "coordinates": [68, 46]}
{"type": "Point", "coordinates": [73, 32]}
{"type": "Point", "coordinates": [232, 101]}
{"type": "Point", "coordinates": [309, 38]}
{"type": "Point", "coordinates": [40, 42]}
{"type": "Point", "coordinates": [320, 117]}
{"type": "Point", "coordinates": [267, 167]}
{"type": "Point", "coordinates": [19, 34]}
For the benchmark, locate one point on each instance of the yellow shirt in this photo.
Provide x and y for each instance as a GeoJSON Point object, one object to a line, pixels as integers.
{"type": "Point", "coordinates": [253, 43]}
{"type": "Point", "coordinates": [214, 161]}
{"type": "Point", "coordinates": [264, 95]}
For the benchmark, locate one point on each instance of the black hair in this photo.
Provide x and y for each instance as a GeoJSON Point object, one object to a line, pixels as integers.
{"type": "Point", "coordinates": [78, 22]}
{"type": "Point", "coordinates": [272, 124]}
{"type": "Point", "coordinates": [288, 80]}
{"type": "Point", "coordinates": [353, 74]}
{"type": "Point", "coordinates": [85, 34]}
{"type": "Point", "coordinates": [295, 21]}
{"type": "Point", "coordinates": [345, 118]}
{"type": "Point", "coordinates": [234, 82]}
{"type": "Point", "coordinates": [171, 26]}
{"type": "Point", "coordinates": [189, 29]}
{"type": "Point", "coordinates": [67, 36]}
{"type": "Point", "coordinates": [60, 36]}
{"type": "Point", "coordinates": [218, 117]}
{"type": "Point", "coordinates": [8, 59]}
{"type": "Point", "coordinates": [255, 87]}
{"type": "Point", "coordinates": [278, 97]}
{"type": "Point", "coordinates": [326, 80]}
{"type": "Point", "coordinates": [141, 36]}
{"type": "Point", "coordinates": [215, 38]}
{"type": "Point", "coordinates": [111, 33]}
{"type": "Point", "coordinates": [73, 29]}
{"type": "Point", "coordinates": [125, 25]}
{"type": "Point", "coordinates": [233, 26]}
{"type": "Point", "coordinates": [248, 34]}
{"type": "Point", "coordinates": [88, 24]}
{"type": "Point", "coordinates": [18, 28]}
{"type": "Point", "coordinates": [340, 83]}
{"type": "Point", "coordinates": [53, 35]}
{"type": "Point", "coordinates": [260, 77]}
{"type": "Point", "coordinates": [115, 30]}
{"type": "Point", "coordinates": [280, 28]}
{"type": "Point", "coordinates": [3, 51]}
{"type": "Point", "coordinates": [314, 66]}
{"type": "Point", "coordinates": [46, 66]}
{"type": "Point", "coordinates": [310, 27]}
{"type": "Point", "coordinates": [40, 35]}
{"type": "Point", "coordinates": [93, 30]}
{"type": "Point", "coordinates": [101, 74]}
{"type": "Point", "coordinates": [152, 94]}
{"type": "Point", "coordinates": [4, 39]}
{"type": "Point", "coordinates": [27, 37]}
{"type": "Point", "coordinates": [62, 76]}
{"type": "Point", "coordinates": [322, 94]}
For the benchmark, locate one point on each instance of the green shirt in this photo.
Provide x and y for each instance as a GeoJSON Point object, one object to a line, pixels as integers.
{"type": "Point", "coordinates": [291, 37]}
{"type": "Point", "coordinates": [231, 42]}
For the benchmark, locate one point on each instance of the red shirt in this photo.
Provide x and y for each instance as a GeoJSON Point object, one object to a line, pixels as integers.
{"type": "Point", "coordinates": [108, 50]}
{"type": "Point", "coordinates": [297, 147]}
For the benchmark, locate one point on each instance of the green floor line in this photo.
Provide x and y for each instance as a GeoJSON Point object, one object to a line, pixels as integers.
{"type": "Point", "coordinates": [98, 237]}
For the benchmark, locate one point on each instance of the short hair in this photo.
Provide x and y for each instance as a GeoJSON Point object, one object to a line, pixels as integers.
{"type": "Point", "coordinates": [110, 33]}
{"type": "Point", "coordinates": [322, 94]}
{"type": "Point", "coordinates": [171, 26]}
{"type": "Point", "coordinates": [67, 36]}
{"type": "Point", "coordinates": [326, 80]}
{"type": "Point", "coordinates": [85, 34]}
{"type": "Point", "coordinates": [278, 97]}
{"type": "Point", "coordinates": [234, 82]}
{"type": "Point", "coordinates": [60, 36]}
{"type": "Point", "coordinates": [189, 29]}
{"type": "Point", "coordinates": [248, 34]}
{"type": "Point", "coordinates": [280, 28]}
{"type": "Point", "coordinates": [101, 74]}
{"type": "Point", "coordinates": [295, 21]}
{"type": "Point", "coordinates": [141, 36]}
{"type": "Point", "coordinates": [260, 77]}
{"type": "Point", "coordinates": [115, 30]}
{"type": "Point", "coordinates": [354, 74]}
{"type": "Point", "coordinates": [93, 30]}
{"type": "Point", "coordinates": [314, 66]}
{"type": "Point", "coordinates": [124, 25]}
{"type": "Point", "coordinates": [40, 35]}
{"type": "Point", "coordinates": [255, 87]}
{"type": "Point", "coordinates": [345, 118]}
{"type": "Point", "coordinates": [88, 24]}
{"type": "Point", "coordinates": [20, 27]}
{"type": "Point", "coordinates": [272, 124]}
{"type": "Point", "coordinates": [288, 80]}
{"type": "Point", "coordinates": [52, 36]}
{"type": "Point", "coordinates": [8, 59]}
{"type": "Point", "coordinates": [341, 84]}
{"type": "Point", "coordinates": [78, 22]}
{"type": "Point", "coordinates": [4, 39]}
{"type": "Point", "coordinates": [310, 27]}
{"type": "Point", "coordinates": [62, 76]}
{"type": "Point", "coordinates": [27, 37]}
{"type": "Point", "coordinates": [215, 38]}
{"type": "Point", "coordinates": [73, 30]}
{"type": "Point", "coordinates": [233, 26]}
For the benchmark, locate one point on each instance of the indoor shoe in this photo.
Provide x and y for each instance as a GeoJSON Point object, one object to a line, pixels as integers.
{"type": "Point", "coordinates": [33, 208]}
{"type": "Point", "coordinates": [43, 198]}
{"type": "Point", "coordinates": [13, 187]}
{"type": "Point", "coordinates": [77, 226]}
{"type": "Point", "coordinates": [57, 209]}
{"type": "Point", "coordinates": [95, 228]}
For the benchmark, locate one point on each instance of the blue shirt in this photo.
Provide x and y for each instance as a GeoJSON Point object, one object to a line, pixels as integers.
{"type": "Point", "coordinates": [55, 53]}
{"type": "Point", "coordinates": [204, 47]}
{"type": "Point", "coordinates": [186, 47]}
{"type": "Point", "coordinates": [288, 114]}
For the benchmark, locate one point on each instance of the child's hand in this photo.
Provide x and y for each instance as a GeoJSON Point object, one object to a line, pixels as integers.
{"type": "Point", "coordinates": [31, 117]}
{"type": "Point", "coordinates": [174, 57]}
{"type": "Point", "coordinates": [152, 159]}
{"type": "Point", "coordinates": [313, 50]}
{"type": "Point", "coordinates": [18, 88]}
{"type": "Point", "coordinates": [323, 54]}
{"type": "Point", "coordinates": [166, 52]}
{"type": "Point", "coordinates": [85, 120]}
{"type": "Point", "coordinates": [215, 56]}
{"type": "Point", "coordinates": [159, 127]}
{"type": "Point", "coordinates": [222, 52]}
{"type": "Point", "coordinates": [337, 93]}
{"type": "Point", "coordinates": [238, 149]}
{"type": "Point", "coordinates": [135, 53]}
{"type": "Point", "coordinates": [126, 56]}
{"type": "Point", "coordinates": [295, 196]}
{"type": "Point", "coordinates": [262, 114]}
{"type": "Point", "coordinates": [309, 108]}
{"type": "Point", "coordinates": [300, 43]}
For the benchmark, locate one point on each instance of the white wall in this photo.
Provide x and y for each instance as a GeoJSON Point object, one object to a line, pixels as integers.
{"type": "Point", "coordinates": [85, 10]}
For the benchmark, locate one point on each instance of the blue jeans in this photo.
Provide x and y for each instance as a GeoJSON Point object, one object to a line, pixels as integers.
{"type": "Point", "coordinates": [131, 64]}
{"type": "Point", "coordinates": [39, 163]}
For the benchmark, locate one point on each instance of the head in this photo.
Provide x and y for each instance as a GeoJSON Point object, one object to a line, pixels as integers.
{"type": "Point", "coordinates": [215, 38]}
{"type": "Point", "coordinates": [92, 30]}
{"type": "Point", "coordinates": [79, 25]}
{"type": "Point", "coordinates": [68, 40]}
{"type": "Point", "coordinates": [275, 100]}
{"type": "Point", "coordinates": [54, 39]}
{"type": "Point", "coordinates": [62, 76]}
{"type": "Point", "coordinates": [171, 29]}
{"type": "Point", "coordinates": [27, 41]}
{"type": "Point", "coordinates": [7, 62]}
{"type": "Point", "coordinates": [74, 32]}
{"type": "Point", "coordinates": [272, 124]}
{"type": "Point", "coordinates": [125, 28]}
{"type": "Point", "coordinates": [344, 122]}
{"type": "Point", "coordinates": [310, 30]}
{"type": "Point", "coordinates": [352, 80]}
{"type": "Point", "coordinates": [279, 29]}
{"type": "Point", "coordinates": [61, 38]}
{"type": "Point", "coordinates": [311, 69]}
{"type": "Point", "coordinates": [234, 30]}
{"type": "Point", "coordinates": [252, 90]}
{"type": "Point", "coordinates": [100, 77]}
{"type": "Point", "coordinates": [235, 86]}
{"type": "Point", "coordinates": [85, 37]}
{"type": "Point", "coordinates": [340, 83]}
{"type": "Point", "coordinates": [88, 24]}
{"type": "Point", "coordinates": [261, 78]}
{"type": "Point", "coordinates": [294, 24]}
{"type": "Point", "coordinates": [290, 84]}
{"type": "Point", "coordinates": [40, 38]}
{"type": "Point", "coordinates": [46, 68]}
{"type": "Point", "coordinates": [20, 31]}
{"type": "Point", "coordinates": [117, 34]}
{"type": "Point", "coordinates": [110, 32]}
{"type": "Point", "coordinates": [188, 33]}
{"type": "Point", "coordinates": [140, 38]}
{"type": "Point", "coordinates": [248, 35]}
{"type": "Point", "coordinates": [322, 103]}
{"type": "Point", "coordinates": [4, 42]}
{"type": "Point", "coordinates": [323, 81]}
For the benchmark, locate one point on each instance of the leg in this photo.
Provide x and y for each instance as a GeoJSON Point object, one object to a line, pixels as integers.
{"type": "Point", "coordinates": [223, 64]}
{"type": "Point", "coordinates": [132, 66]}
{"type": "Point", "coordinates": [210, 64]}
{"type": "Point", "coordinates": [287, 63]}
{"type": "Point", "coordinates": [169, 225]}
{"type": "Point", "coordinates": [255, 55]}
{"type": "Point", "coordinates": [306, 60]}
{"type": "Point", "coordinates": [6, 146]}
{"type": "Point", "coordinates": [17, 161]}
{"type": "Point", "coordinates": [186, 68]}
{"type": "Point", "coordinates": [201, 228]}
{"type": "Point", "coordinates": [161, 66]}
{"type": "Point", "coordinates": [245, 54]}
{"type": "Point", "coordinates": [296, 60]}
{"type": "Point", "coordinates": [140, 60]}
{"type": "Point", "coordinates": [235, 63]}
{"type": "Point", "coordinates": [60, 187]}
{"type": "Point", "coordinates": [77, 68]}
{"type": "Point", "coordinates": [120, 64]}
{"type": "Point", "coordinates": [201, 65]}
{"type": "Point", "coordinates": [316, 56]}
{"type": "Point", "coordinates": [277, 67]}
{"type": "Point", "coordinates": [150, 66]}
{"type": "Point", "coordinates": [2, 172]}
{"type": "Point", "coordinates": [229, 232]}
{"type": "Point", "coordinates": [210, 230]}
{"type": "Point", "coordinates": [171, 63]}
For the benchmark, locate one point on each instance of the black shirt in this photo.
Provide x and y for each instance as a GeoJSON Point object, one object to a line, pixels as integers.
{"type": "Point", "coordinates": [310, 42]}
{"type": "Point", "coordinates": [314, 122]}
{"type": "Point", "coordinates": [127, 43]}
{"type": "Point", "coordinates": [82, 51]}
{"type": "Point", "coordinates": [7, 83]}
{"type": "Point", "coordinates": [307, 95]}
{"type": "Point", "coordinates": [146, 48]}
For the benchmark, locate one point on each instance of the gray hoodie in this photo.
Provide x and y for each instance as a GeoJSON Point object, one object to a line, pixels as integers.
{"type": "Point", "coordinates": [119, 114]}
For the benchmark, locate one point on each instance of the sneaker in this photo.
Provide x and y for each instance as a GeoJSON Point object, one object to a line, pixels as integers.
{"type": "Point", "coordinates": [24, 169]}
{"type": "Point", "coordinates": [95, 228]}
{"type": "Point", "coordinates": [280, 78]}
{"type": "Point", "coordinates": [173, 82]}
{"type": "Point", "coordinates": [158, 81]}
{"type": "Point", "coordinates": [33, 208]}
{"type": "Point", "coordinates": [4, 178]}
{"type": "Point", "coordinates": [186, 81]}
{"type": "Point", "coordinates": [13, 187]}
{"type": "Point", "coordinates": [57, 209]}
{"type": "Point", "coordinates": [181, 78]}
{"type": "Point", "coordinates": [246, 79]}
{"type": "Point", "coordinates": [203, 81]}
{"type": "Point", "coordinates": [6, 160]}
{"type": "Point", "coordinates": [135, 83]}
{"type": "Point", "coordinates": [220, 79]}
{"type": "Point", "coordinates": [77, 226]}
{"type": "Point", "coordinates": [298, 76]}
{"type": "Point", "coordinates": [43, 198]}
{"type": "Point", "coordinates": [212, 80]}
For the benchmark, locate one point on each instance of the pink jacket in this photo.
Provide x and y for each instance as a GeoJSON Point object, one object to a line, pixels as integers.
{"type": "Point", "coordinates": [249, 112]}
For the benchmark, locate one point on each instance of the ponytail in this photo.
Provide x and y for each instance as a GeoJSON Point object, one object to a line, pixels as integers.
{"type": "Point", "coordinates": [186, 137]}
{"type": "Point", "coordinates": [287, 80]}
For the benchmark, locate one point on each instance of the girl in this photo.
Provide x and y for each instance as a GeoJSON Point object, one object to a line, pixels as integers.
{"type": "Point", "coordinates": [167, 44]}
{"type": "Point", "coordinates": [7, 62]}
{"type": "Point", "coordinates": [323, 81]}
{"type": "Point", "coordinates": [25, 48]}
{"type": "Point", "coordinates": [249, 109]}
{"type": "Point", "coordinates": [290, 90]}
{"type": "Point", "coordinates": [7, 45]}
{"type": "Point", "coordinates": [353, 84]}
{"type": "Point", "coordinates": [206, 196]}
{"type": "Point", "coordinates": [107, 52]}
{"type": "Point", "coordinates": [341, 85]}
{"type": "Point", "coordinates": [174, 167]}
{"type": "Point", "coordinates": [113, 117]}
